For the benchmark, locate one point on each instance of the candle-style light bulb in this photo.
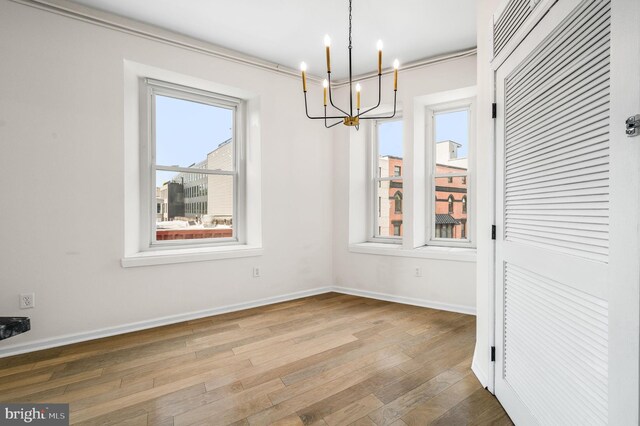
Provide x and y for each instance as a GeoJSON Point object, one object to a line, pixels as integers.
{"type": "Point", "coordinates": [325, 84]}
{"type": "Point", "coordinates": [303, 68]}
{"type": "Point", "coordinates": [358, 89]}
{"type": "Point", "coordinates": [396, 65]}
{"type": "Point", "coordinates": [327, 48]}
{"type": "Point", "coordinates": [379, 46]}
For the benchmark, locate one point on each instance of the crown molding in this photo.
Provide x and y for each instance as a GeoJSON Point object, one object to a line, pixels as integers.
{"type": "Point", "coordinates": [420, 63]}
{"type": "Point", "coordinates": [150, 32]}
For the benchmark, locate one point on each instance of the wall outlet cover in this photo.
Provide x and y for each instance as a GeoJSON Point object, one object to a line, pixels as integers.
{"type": "Point", "coordinates": [27, 300]}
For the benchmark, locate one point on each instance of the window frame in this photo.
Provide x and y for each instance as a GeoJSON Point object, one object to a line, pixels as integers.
{"type": "Point", "coordinates": [431, 110]}
{"type": "Point", "coordinates": [376, 180]}
{"type": "Point", "coordinates": [150, 89]}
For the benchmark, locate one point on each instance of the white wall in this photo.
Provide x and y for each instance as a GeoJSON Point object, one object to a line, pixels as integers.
{"type": "Point", "coordinates": [62, 157]}
{"type": "Point", "coordinates": [448, 284]}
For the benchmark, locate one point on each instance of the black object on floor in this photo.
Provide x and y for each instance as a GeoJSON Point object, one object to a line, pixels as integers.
{"type": "Point", "coordinates": [11, 326]}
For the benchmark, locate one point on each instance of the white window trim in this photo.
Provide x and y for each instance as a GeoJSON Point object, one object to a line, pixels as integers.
{"type": "Point", "coordinates": [425, 252]}
{"type": "Point", "coordinates": [374, 179]}
{"type": "Point", "coordinates": [148, 166]}
{"type": "Point", "coordinates": [135, 190]}
{"type": "Point", "coordinates": [172, 255]}
{"type": "Point", "coordinates": [452, 104]}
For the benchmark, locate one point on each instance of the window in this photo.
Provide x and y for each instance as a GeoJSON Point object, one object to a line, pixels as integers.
{"type": "Point", "coordinates": [449, 132]}
{"type": "Point", "coordinates": [387, 182]}
{"type": "Point", "coordinates": [397, 200]}
{"type": "Point", "coordinates": [194, 165]}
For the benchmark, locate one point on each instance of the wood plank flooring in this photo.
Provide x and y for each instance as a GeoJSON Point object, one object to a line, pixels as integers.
{"type": "Point", "coordinates": [329, 360]}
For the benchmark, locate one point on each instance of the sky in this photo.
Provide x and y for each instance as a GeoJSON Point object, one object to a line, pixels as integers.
{"type": "Point", "coordinates": [454, 126]}
{"type": "Point", "coordinates": [449, 125]}
{"type": "Point", "coordinates": [390, 138]}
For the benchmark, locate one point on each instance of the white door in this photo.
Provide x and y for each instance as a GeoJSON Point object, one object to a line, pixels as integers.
{"type": "Point", "coordinates": [561, 158]}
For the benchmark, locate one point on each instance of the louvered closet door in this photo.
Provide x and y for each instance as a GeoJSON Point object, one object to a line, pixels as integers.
{"type": "Point", "coordinates": [553, 219]}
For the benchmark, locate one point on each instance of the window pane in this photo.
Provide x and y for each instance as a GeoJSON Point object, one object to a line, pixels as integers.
{"type": "Point", "coordinates": [192, 134]}
{"type": "Point", "coordinates": [452, 141]}
{"type": "Point", "coordinates": [451, 207]}
{"type": "Point", "coordinates": [193, 206]}
{"type": "Point", "coordinates": [389, 209]}
{"type": "Point", "coordinates": [451, 192]}
{"type": "Point", "coordinates": [389, 148]}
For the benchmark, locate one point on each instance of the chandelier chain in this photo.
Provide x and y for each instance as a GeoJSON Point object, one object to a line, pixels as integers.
{"type": "Point", "coordinates": [350, 24]}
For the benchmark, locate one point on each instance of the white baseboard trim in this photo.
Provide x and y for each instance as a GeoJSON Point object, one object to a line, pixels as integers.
{"type": "Point", "coordinates": [469, 310]}
{"type": "Point", "coordinates": [143, 325]}
{"type": "Point", "coordinates": [68, 339]}
{"type": "Point", "coordinates": [480, 374]}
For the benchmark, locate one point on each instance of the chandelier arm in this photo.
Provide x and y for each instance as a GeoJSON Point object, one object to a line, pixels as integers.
{"type": "Point", "coordinates": [330, 97]}
{"type": "Point", "coordinates": [360, 114]}
{"type": "Point", "coordinates": [325, 119]}
{"type": "Point", "coordinates": [333, 125]}
{"type": "Point", "coordinates": [306, 110]}
{"type": "Point", "coordinates": [395, 97]}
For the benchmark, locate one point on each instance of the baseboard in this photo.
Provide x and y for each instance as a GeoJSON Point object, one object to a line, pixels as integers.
{"type": "Point", "coordinates": [469, 310]}
{"type": "Point", "coordinates": [143, 325]}
{"type": "Point", "coordinates": [173, 319]}
{"type": "Point", "coordinates": [480, 374]}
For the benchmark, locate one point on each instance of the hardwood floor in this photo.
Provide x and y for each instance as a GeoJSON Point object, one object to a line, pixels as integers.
{"type": "Point", "coordinates": [330, 360]}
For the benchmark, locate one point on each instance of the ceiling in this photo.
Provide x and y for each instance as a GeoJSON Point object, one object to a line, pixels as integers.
{"type": "Point", "coordinates": [287, 32]}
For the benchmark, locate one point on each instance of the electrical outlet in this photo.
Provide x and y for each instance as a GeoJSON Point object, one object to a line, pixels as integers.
{"type": "Point", "coordinates": [27, 300]}
{"type": "Point", "coordinates": [256, 272]}
{"type": "Point", "coordinates": [418, 272]}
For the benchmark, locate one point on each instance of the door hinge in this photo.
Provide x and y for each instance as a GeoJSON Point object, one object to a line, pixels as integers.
{"type": "Point", "coordinates": [494, 110]}
{"type": "Point", "coordinates": [493, 232]}
{"type": "Point", "coordinates": [493, 353]}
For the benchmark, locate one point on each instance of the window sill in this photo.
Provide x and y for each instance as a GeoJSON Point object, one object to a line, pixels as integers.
{"type": "Point", "coordinates": [427, 252]}
{"type": "Point", "coordinates": [184, 255]}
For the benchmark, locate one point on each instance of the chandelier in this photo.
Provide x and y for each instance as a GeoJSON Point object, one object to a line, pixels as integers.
{"type": "Point", "coordinates": [349, 118]}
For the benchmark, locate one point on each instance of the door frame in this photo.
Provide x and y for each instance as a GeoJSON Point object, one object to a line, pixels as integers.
{"type": "Point", "coordinates": [624, 296]}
